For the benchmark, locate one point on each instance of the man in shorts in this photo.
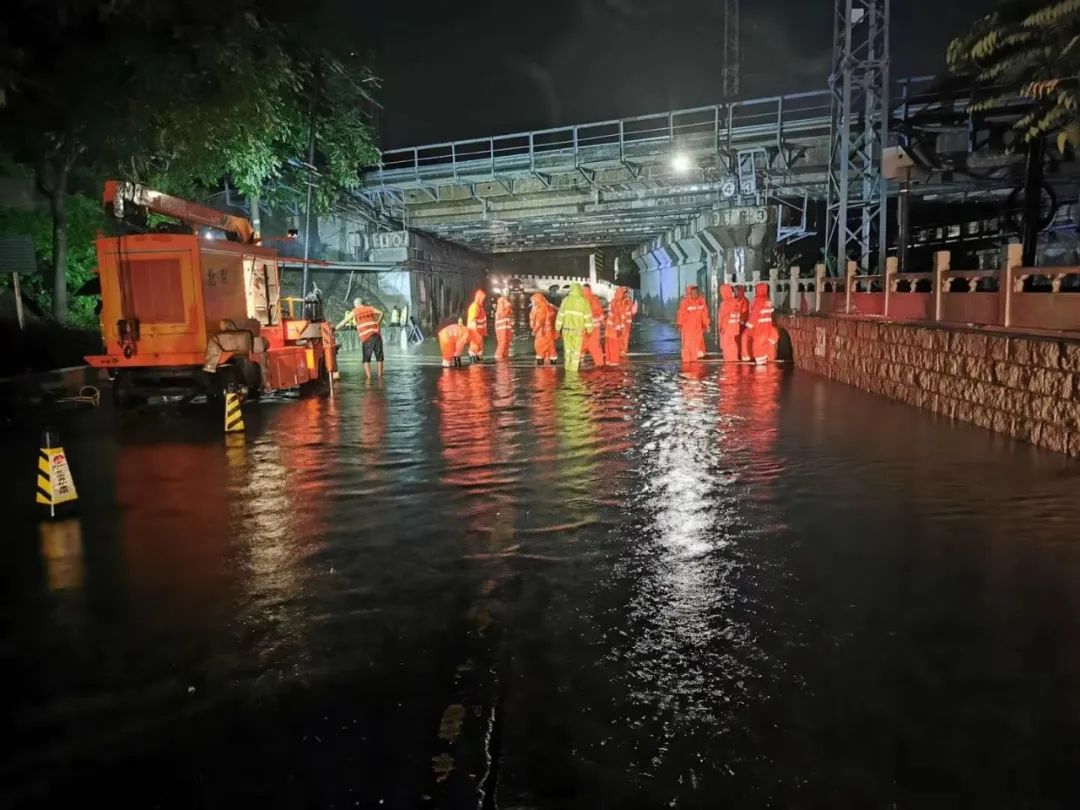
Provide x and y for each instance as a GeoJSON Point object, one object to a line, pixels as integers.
{"type": "Point", "coordinates": [367, 320]}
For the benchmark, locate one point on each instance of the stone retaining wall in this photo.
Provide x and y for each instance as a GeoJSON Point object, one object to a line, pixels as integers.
{"type": "Point", "coordinates": [1023, 386]}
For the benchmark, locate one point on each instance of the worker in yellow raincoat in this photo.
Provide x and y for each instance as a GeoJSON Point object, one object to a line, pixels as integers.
{"type": "Point", "coordinates": [573, 323]}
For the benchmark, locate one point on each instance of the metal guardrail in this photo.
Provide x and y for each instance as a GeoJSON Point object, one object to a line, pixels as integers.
{"type": "Point", "coordinates": [720, 125]}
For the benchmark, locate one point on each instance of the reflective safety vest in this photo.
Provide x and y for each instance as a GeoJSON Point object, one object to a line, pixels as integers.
{"type": "Point", "coordinates": [477, 318]}
{"type": "Point", "coordinates": [693, 311]}
{"type": "Point", "coordinates": [615, 317]}
{"type": "Point", "coordinates": [367, 322]}
{"type": "Point", "coordinates": [570, 321]}
{"type": "Point", "coordinates": [504, 323]}
{"type": "Point", "coordinates": [764, 316]}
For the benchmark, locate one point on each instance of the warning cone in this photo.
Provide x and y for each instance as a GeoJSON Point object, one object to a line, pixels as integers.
{"type": "Point", "coordinates": [234, 417]}
{"type": "Point", "coordinates": [54, 482]}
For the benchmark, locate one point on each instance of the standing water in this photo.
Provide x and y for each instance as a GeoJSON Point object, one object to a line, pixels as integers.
{"type": "Point", "coordinates": [507, 586]}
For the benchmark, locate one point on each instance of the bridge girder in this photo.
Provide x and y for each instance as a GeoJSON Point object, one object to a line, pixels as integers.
{"type": "Point", "coordinates": [614, 183]}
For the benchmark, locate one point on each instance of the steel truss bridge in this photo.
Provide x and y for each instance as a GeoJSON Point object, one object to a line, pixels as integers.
{"type": "Point", "coordinates": [626, 181]}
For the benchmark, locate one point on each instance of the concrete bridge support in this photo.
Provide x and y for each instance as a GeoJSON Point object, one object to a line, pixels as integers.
{"type": "Point", "coordinates": [718, 247]}
{"type": "Point", "coordinates": [429, 278]}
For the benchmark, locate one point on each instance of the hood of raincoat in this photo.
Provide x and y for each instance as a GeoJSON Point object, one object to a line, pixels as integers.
{"type": "Point", "coordinates": [479, 297]}
{"type": "Point", "coordinates": [576, 291]}
{"type": "Point", "coordinates": [739, 292]}
{"type": "Point", "coordinates": [727, 292]}
{"type": "Point", "coordinates": [761, 291]}
{"type": "Point", "coordinates": [538, 299]}
{"type": "Point", "coordinates": [620, 293]}
{"type": "Point", "coordinates": [503, 304]}
{"type": "Point", "coordinates": [693, 291]}
{"type": "Point", "coordinates": [594, 302]}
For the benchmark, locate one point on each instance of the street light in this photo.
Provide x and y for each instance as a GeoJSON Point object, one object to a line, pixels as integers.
{"type": "Point", "coordinates": [680, 163]}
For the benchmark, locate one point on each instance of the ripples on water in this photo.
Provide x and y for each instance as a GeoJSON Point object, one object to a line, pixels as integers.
{"type": "Point", "coordinates": [645, 586]}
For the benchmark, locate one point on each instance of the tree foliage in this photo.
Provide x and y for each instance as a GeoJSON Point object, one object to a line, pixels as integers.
{"type": "Point", "coordinates": [84, 220]}
{"type": "Point", "coordinates": [1029, 48]}
{"type": "Point", "coordinates": [179, 94]}
{"type": "Point", "coordinates": [245, 108]}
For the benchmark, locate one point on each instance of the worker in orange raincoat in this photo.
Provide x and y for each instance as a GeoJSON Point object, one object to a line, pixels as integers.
{"type": "Point", "coordinates": [542, 324]}
{"type": "Point", "coordinates": [744, 316]}
{"type": "Point", "coordinates": [476, 321]}
{"type": "Point", "coordinates": [630, 312]}
{"type": "Point", "coordinates": [730, 321]}
{"type": "Point", "coordinates": [614, 325]}
{"type": "Point", "coordinates": [692, 321]}
{"type": "Point", "coordinates": [504, 327]}
{"type": "Point", "coordinates": [452, 342]}
{"type": "Point", "coordinates": [762, 335]}
{"type": "Point", "coordinates": [592, 345]}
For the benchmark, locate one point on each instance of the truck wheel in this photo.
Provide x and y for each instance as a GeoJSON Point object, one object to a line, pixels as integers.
{"type": "Point", "coordinates": [219, 382]}
{"type": "Point", "coordinates": [320, 384]}
{"type": "Point", "coordinates": [251, 374]}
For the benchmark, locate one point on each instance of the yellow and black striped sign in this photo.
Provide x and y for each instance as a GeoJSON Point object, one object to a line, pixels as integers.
{"type": "Point", "coordinates": [54, 482]}
{"type": "Point", "coordinates": [234, 417]}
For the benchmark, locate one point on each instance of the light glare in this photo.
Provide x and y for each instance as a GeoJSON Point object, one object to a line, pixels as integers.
{"type": "Point", "coordinates": [681, 163]}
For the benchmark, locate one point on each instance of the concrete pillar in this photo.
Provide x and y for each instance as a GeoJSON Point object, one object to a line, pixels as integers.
{"type": "Point", "coordinates": [794, 298]}
{"type": "Point", "coordinates": [849, 286]}
{"type": "Point", "coordinates": [892, 264]}
{"type": "Point", "coordinates": [819, 284]}
{"type": "Point", "coordinates": [1013, 257]}
{"type": "Point", "coordinates": [942, 261]}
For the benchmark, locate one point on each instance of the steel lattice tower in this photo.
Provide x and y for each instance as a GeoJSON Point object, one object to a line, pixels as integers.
{"type": "Point", "coordinates": [730, 72]}
{"type": "Point", "coordinates": [856, 216]}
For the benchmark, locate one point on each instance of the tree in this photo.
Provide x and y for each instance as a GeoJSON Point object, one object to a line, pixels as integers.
{"type": "Point", "coordinates": [256, 134]}
{"type": "Point", "coordinates": [166, 93]}
{"type": "Point", "coordinates": [84, 219]}
{"type": "Point", "coordinates": [72, 103]}
{"type": "Point", "coordinates": [1029, 48]}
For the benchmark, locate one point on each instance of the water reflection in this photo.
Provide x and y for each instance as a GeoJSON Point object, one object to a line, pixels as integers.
{"type": "Point", "coordinates": [175, 557]}
{"type": "Point", "coordinates": [61, 548]}
{"type": "Point", "coordinates": [709, 586]}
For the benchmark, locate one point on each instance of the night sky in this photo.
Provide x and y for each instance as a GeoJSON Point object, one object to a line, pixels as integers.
{"type": "Point", "coordinates": [477, 67]}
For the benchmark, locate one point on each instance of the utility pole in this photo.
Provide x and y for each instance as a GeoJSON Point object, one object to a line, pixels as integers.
{"type": "Point", "coordinates": [730, 70]}
{"type": "Point", "coordinates": [856, 222]}
{"type": "Point", "coordinates": [310, 185]}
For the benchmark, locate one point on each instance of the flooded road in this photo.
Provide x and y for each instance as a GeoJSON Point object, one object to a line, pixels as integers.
{"type": "Point", "coordinates": [505, 587]}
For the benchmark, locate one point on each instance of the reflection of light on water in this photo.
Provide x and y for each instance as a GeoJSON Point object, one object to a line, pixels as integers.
{"type": "Point", "coordinates": [271, 567]}
{"type": "Point", "coordinates": [61, 547]}
{"type": "Point", "coordinates": [267, 511]}
{"type": "Point", "coordinates": [687, 493]}
{"type": "Point", "coordinates": [693, 650]}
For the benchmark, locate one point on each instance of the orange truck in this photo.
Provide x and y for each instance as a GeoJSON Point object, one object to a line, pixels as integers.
{"type": "Point", "coordinates": [192, 313]}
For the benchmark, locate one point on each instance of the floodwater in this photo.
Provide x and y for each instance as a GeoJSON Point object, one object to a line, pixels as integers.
{"type": "Point", "coordinates": [504, 586]}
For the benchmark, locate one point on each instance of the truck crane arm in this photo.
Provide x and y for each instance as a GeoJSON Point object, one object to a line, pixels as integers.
{"type": "Point", "coordinates": [119, 193]}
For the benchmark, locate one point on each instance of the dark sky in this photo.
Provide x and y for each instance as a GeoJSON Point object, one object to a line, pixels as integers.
{"type": "Point", "coordinates": [468, 68]}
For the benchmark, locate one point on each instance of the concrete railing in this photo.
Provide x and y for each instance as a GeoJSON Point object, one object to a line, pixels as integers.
{"type": "Point", "coordinates": [1010, 296]}
{"type": "Point", "coordinates": [604, 289]}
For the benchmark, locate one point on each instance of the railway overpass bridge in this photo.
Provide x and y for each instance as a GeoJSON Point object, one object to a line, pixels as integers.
{"type": "Point", "coordinates": [690, 195]}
